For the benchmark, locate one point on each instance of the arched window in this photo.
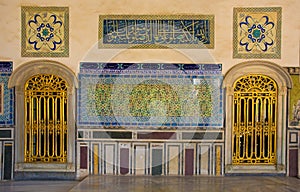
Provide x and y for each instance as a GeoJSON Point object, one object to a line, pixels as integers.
{"type": "Point", "coordinates": [46, 125]}
{"type": "Point", "coordinates": [254, 120]}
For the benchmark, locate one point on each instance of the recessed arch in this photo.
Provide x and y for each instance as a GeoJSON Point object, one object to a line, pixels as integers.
{"type": "Point", "coordinates": [284, 83]}
{"type": "Point", "coordinates": [18, 80]}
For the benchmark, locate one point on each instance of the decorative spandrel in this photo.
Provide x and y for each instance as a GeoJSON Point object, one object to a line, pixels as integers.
{"type": "Point", "coordinates": [257, 32]}
{"type": "Point", "coordinates": [159, 31]}
{"type": "Point", "coordinates": [45, 31]}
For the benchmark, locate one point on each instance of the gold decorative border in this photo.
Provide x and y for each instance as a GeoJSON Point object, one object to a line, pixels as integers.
{"type": "Point", "coordinates": [157, 17]}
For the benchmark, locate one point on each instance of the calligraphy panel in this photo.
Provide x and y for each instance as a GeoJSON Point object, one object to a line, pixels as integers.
{"type": "Point", "coordinates": [150, 95]}
{"type": "Point", "coordinates": [45, 32]}
{"type": "Point", "coordinates": [156, 31]}
{"type": "Point", "coordinates": [257, 32]}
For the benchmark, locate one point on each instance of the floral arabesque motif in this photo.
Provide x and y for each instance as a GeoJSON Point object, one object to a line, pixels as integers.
{"type": "Point", "coordinates": [46, 32]}
{"type": "Point", "coordinates": [257, 33]}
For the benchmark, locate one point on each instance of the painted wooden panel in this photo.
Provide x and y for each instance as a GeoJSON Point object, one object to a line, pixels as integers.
{"type": "Point", "coordinates": [204, 153]}
{"type": "Point", "coordinates": [140, 159]}
{"type": "Point", "coordinates": [8, 151]}
{"type": "Point", "coordinates": [157, 159]}
{"type": "Point", "coordinates": [293, 162]}
{"type": "Point", "coordinates": [173, 160]}
{"type": "Point", "coordinates": [189, 162]}
{"type": "Point", "coordinates": [109, 158]}
{"type": "Point", "coordinates": [218, 160]}
{"type": "Point", "coordinates": [124, 161]}
{"type": "Point", "coordinates": [83, 157]}
{"type": "Point", "coordinates": [96, 158]}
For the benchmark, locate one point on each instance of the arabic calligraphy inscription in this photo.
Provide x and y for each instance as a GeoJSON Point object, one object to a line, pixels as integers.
{"type": "Point", "coordinates": [156, 32]}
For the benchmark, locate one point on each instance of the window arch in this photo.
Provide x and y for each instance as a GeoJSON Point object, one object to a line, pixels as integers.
{"type": "Point", "coordinates": [46, 125]}
{"type": "Point", "coordinates": [36, 76]}
{"type": "Point", "coordinates": [254, 120]}
{"type": "Point", "coordinates": [266, 73]}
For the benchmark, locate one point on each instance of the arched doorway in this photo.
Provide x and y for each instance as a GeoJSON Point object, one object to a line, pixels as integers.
{"type": "Point", "coordinates": [45, 120]}
{"type": "Point", "coordinates": [256, 103]}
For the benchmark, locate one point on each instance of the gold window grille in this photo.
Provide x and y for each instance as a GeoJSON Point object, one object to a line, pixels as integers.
{"type": "Point", "coordinates": [254, 120]}
{"type": "Point", "coordinates": [46, 119]}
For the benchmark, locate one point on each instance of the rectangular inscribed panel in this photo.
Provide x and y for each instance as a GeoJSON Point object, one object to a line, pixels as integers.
{"type": "Point", "coordinates": [156, 31]}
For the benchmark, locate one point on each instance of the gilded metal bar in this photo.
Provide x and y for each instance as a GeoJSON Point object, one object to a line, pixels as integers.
{"type": "Point", "coordinates": [254, 117]}
{"type": "Point", "coordinates": [45, 119]}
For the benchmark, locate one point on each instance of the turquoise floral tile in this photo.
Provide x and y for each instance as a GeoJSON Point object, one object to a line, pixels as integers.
{"type": "Point", "coordinates": [152, 96]}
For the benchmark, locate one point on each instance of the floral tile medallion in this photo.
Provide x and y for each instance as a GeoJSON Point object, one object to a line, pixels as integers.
{"type": "Point", "coordinates": [45, 31]}
{"type": "Point", "coordinates": [257, 32]}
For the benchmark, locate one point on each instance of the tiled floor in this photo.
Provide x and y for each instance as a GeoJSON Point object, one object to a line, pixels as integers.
{"type": "Point", "coordinates": [159, 184]}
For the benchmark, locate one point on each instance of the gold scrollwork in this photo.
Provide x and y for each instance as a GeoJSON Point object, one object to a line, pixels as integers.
{"type": "Point", "coordinates": [254, 120]}
{"type": "Point", "coordinates": [45, 119]}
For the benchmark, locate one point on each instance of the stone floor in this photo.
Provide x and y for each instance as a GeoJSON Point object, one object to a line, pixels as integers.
{"type": "Point", "coordinates": [158, 184]}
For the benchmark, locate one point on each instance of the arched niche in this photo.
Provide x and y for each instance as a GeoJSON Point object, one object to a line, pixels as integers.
{"type": "Point", "coordinates": [38, 170]}
{"type": "Point", "coordinates": [284, 83]}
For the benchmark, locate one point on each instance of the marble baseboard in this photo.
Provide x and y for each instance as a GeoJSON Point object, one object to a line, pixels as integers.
{"type": "Point", "coordinates": [45, 167]}
{"type": "Point", "coordinates": [26, 175]}
{"type": "Point", "coordinates": [255, 170]}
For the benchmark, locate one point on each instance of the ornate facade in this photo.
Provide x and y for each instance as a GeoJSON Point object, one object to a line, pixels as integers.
{"type": "Point", "coordinates": [152, 94]}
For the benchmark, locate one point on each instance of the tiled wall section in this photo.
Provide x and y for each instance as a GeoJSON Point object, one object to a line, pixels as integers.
{"type": "Point", "coordinates": [150, 119]}
{"type": "Point", "coordinates": [6, 122]}
{"type": "Point", "coordinates": [7, 117]}
{"type": "Point", "coordinates": [150, 95]}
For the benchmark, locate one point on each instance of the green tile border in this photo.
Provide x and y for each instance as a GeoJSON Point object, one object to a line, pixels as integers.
{"type": "Point", "coordinates": [277, 52]}
{"type": "Point", "coordinates": [32, 10]}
